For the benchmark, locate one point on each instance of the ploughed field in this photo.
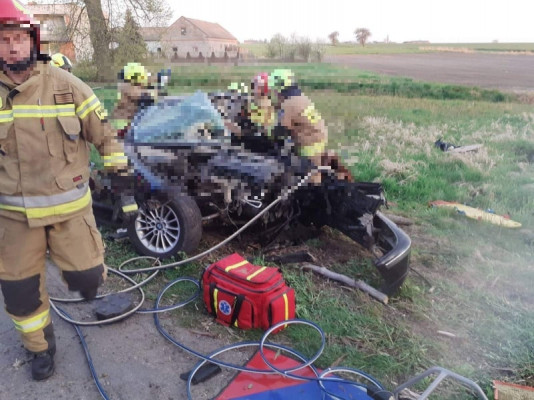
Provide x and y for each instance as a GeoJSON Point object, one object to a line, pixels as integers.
{"type": "Point", "coordinates": [504, 71]}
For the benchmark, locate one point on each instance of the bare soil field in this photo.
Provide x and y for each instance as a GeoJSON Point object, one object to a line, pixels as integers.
{"type": "Point", "coordinates": [509, 72]}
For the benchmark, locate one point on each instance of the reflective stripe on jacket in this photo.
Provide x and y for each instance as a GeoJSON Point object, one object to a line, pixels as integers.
{"type": "Point", "coordinates": [46, 125]}
{"type": "Point", "coordinates": [305, 124]}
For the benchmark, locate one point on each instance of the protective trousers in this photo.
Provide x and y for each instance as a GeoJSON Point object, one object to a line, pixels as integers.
{"type": "Point", "coordinates": [75, 246]}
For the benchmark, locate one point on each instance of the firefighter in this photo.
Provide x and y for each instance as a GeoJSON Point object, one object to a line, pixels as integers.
{"type": "Point", "coordinates": [135, 91]}
{"type": "Point", "coordinates": [47, 119]}
{"type": "Point", "coordinates": [250, 112]}
{"type": "Point", "coordinates": [233, 106]}
{"type": "Point", "coordinates": [61, 61]}
{"type": "Point", "coordinates": [253, 125]}
{"type": "Point", "coordinates": [261, 110]}
{"type": "Point", "coordinates": [297, 115]}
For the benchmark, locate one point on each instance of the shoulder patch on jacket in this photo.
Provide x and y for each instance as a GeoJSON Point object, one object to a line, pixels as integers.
{"type": "Point", "coordinates": [312, 114]}
{"type": "Point", "coordinates": [101, 113]}
{"type": "Point", "coordinates": [64, 98]}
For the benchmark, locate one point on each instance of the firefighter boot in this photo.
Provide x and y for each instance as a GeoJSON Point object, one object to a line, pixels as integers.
{"type": "Point", "coordinates": [43, 364]}
{"type": "Point", "coordinates": [89, 294]}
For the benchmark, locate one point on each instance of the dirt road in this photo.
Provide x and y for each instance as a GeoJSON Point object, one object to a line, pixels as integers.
{"type": "Point", "coordinates": [494, 71]}
{"type": "Point", "coordinates": [132, 359]}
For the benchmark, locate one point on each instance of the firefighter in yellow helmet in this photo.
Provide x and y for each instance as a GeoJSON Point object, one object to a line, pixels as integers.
{"type": "Point", "coordinates": [297, 115]}
{"type": "Point", "coordinates": [135, 90]}
{"type": "Point", "coordinates": [249, 112]}
{"type": "Point", "coordinates": [61, 61]}
{"type": "Point", "coordinates": [47, 119]}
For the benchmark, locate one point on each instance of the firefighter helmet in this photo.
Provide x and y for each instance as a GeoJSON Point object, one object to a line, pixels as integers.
{"type": "Point", "coordinates": [260, 84]}
{"type": "Point", "coordinates": [13, 13]}
{"type": "Point", "coordinates": [281, 79]}
{"type": "Point", "coordinates": [238, 87]}
{"type": "Point", "coordinates": [134, 73]}
{"type": "Point", "coordinates": [61, 61]}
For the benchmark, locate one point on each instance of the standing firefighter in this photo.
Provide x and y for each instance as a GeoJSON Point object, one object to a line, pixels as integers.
{"type": "Point", "coordinates": [297, 115]}
{"type": "Point", "coordinates": [47, 119]}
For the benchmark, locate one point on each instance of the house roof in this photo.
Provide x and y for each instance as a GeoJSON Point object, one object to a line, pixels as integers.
{"type": "Point", "coordinates": [152, 34]}
{"type": "Point", "coordinates": [50, 9]}
{"type": "Point", "coordinates": [210, 29]}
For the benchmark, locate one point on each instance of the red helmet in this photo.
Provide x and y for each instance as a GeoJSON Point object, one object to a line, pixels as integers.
{"type": "Point", "coordinates": [260, 84]}
{"type": "Point", "coordinates": [13, 12]}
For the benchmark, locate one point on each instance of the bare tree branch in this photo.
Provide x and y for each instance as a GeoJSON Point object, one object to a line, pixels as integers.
{"type": "Point", "coordinates": [101, 20]}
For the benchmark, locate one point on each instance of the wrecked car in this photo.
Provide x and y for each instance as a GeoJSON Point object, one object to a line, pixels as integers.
{"type": "Point", "coordinates": [188, 168]}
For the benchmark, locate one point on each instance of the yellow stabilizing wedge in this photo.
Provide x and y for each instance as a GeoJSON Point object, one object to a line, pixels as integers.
{"type": "Point", "coordinates": [478, 214]}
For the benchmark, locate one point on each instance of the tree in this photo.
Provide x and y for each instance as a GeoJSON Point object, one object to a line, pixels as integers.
{"type": "Point", "coordinates": [334, 38]}
{"type": "Point", "coordinates": [304, 48]}
{"type": "Point", "coordinates": [105, 17]}
{"type": "Point", "coordinates": [318, 50]}
{"type": "Point", "coordinates": [100, 39]}
{"type": "Point", "coordinates": [276, 46]}
{"type": "Point", "coordinates": [132, 47]}
{"type": "Point", "coordinates": [280, 47]}
{"type": "Point", "coordinates": [362, 35]}
{"type": "Point", "coordinates": [291, 48]}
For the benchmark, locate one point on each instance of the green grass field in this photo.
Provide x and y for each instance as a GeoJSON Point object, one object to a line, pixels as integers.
{"type": "Point", "coordinates": [343, 80]}
{"type": "Point", "coordinates": [259, 49]}
{"type": "Point", "coordinates": [478, 277]}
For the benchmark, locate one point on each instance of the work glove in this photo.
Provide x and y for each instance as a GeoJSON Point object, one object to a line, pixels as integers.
{"type": "Point", "coordinates": [128, 209]}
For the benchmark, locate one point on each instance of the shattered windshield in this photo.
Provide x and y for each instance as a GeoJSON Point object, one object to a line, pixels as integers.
{"type": "Point", "coordinates": [191, 120]}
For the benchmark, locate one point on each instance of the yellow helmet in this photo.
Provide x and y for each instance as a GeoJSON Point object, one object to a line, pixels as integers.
{"type": "Point", "coordinates": [135, 73]}
{"type": "Point", "coordinates": [238, 87]}
{"type": "Point", "coordinates": [61, 61]}
{"type": "Point", "coordinates": [281, 79]}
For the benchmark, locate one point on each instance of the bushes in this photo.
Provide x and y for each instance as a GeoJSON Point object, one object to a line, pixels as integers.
{"type": "Point", "coordinates": [85, 70]}
{"type": "Point", "coordinates": [294, 48]}
{"type": "Point", "coordinates": [407, 88]}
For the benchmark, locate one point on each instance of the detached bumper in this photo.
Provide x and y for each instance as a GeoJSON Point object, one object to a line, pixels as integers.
{"type": "Point", "coordinates": [395, 244]}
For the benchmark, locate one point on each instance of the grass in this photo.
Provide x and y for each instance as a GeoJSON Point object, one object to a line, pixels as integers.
{"type": "Point", "coordinates": [342, 80]}
{"type": "Point", "coordinates": [481, 275]}
{"type": "Point", "coordinates": [331, 77]}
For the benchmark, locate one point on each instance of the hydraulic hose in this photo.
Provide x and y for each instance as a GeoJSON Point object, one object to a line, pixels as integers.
{"type": "Point", "coordinates": [282, 196]}
{"type": "Point", "coordinates": [272, 369]}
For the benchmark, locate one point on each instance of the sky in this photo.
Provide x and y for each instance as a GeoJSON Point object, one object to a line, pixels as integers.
{"type": "Point", "coordinates": [438, 21]}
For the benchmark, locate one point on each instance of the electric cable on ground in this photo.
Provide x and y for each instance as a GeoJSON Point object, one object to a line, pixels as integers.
{"type": "Point", "coordinates": [307, 363]}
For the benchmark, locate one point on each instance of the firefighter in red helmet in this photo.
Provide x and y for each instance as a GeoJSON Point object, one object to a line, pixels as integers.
{"type": "Point", "coordinates": [47, 119]}
{"type": "Point", "coordinates": [261, 110]}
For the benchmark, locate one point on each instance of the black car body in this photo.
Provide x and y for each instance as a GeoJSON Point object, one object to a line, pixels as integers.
{"type": "Point", "coordinates": [189, 168]}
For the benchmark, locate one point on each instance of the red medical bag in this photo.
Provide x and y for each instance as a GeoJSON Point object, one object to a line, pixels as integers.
{"type": "Point", "coordinates": [238, 293]}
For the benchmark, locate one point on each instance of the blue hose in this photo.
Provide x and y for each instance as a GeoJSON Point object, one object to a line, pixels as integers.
{"type": "Point", "coordinates": [87, 356]}
{"type": "Point", "coordinates": [307, 362]}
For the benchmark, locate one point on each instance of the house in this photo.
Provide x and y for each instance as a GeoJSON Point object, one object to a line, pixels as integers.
{"type": "Point", "coordinates": [56, 21]}
{"type": "Point", "coordinates": [192, 38]}
{"type": "Point", "coordinates": [153, 37]}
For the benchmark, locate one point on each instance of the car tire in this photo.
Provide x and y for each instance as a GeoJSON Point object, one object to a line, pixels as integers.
{"type": "Point", "coordinates": [168, 229]}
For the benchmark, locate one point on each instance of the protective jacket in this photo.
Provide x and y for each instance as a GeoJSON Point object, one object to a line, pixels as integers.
{"type": "Point", "coordinates": [305, 124]}
{"type": "Point", "coordinates": [46, 125]}
{"type": "Point", "coordinates": [132, 98]}
{"type": "Point", "coordinates": [262, 114]}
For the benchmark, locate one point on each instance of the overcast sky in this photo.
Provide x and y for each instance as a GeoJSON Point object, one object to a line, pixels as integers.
{"type": "Point", "coordinates": [445, 21]}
